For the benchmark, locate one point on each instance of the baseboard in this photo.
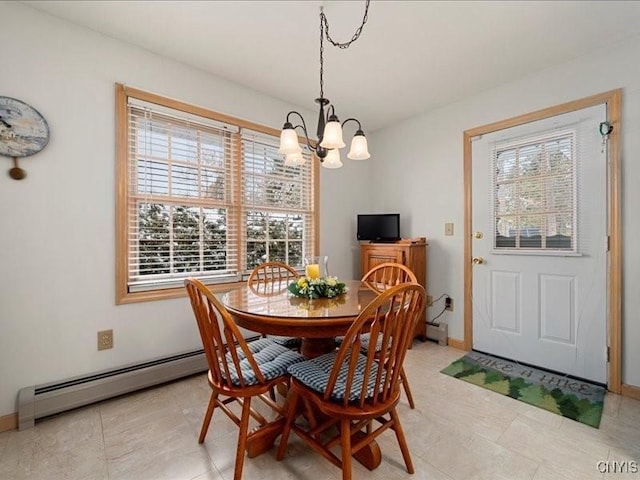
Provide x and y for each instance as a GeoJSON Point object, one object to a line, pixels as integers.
{"type": "Point", "coordinates": [9, 422]}
{"type": "Point", "coordinates": [459, 344]}
{"type": "Point", "coordinates": [630, 391]}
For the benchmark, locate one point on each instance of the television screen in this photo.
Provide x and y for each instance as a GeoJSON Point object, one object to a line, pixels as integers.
{"type": "Point", "coordinates": [379, 227]}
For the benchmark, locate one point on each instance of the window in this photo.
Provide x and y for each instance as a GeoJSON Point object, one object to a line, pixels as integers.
{"type": "Point", "coordinates": [534, 199]}
{"type": "Point", "coordinates": [202, 194]}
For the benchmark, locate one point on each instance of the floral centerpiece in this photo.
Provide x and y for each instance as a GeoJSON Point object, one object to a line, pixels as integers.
{"type": "Point", "coordinates": [322, 287]}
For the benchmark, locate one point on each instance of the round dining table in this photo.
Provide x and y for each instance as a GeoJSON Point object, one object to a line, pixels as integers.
{"type": "Point", "coordinates": [271, 309]}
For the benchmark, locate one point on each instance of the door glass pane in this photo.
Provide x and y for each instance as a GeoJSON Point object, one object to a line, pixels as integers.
{"type": "Point", "coordinates": [534, 194]}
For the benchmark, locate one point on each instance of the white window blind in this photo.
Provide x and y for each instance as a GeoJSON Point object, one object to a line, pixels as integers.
{"type": "Point", "coordinates": [534, 195]}
{"type": "Point", "coordinates": [201, 194]}
{"type": "Point", "coordinates": [278, 207]}
{"type": "Point", "coordinates": [181, 210]}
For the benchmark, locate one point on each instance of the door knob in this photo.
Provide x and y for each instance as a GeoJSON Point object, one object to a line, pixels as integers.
{"type": "Point", "coordinates": [477, 260]}
{"type": "Point", "coordinates": [478, 235]}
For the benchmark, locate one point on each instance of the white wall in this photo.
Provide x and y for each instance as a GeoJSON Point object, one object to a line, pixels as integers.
{"type": "Point", "coordinates": [57, 232]}
{"type": "Point", "coordinates": [422, 158]}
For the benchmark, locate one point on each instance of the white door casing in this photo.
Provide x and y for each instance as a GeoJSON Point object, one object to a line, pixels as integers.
{"type": "Point", "coordinates": [547, 310]}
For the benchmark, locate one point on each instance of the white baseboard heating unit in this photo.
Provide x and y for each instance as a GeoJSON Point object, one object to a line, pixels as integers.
{"type": "Point", "coordinates": [438, 332]}
{"type": "Point", "coordinates": [48, 399]}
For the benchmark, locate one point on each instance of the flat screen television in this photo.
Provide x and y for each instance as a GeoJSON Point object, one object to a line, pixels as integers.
{"type": "Point", "coordinates": [378, 227]}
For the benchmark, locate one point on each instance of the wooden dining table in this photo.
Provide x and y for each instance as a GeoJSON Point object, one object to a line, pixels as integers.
{"type": "Point", "coordinates": [272, 309]}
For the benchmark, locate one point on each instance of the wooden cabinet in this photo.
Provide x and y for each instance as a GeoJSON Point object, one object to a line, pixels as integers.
{"type": "Point", "coordinates": [412, 253]}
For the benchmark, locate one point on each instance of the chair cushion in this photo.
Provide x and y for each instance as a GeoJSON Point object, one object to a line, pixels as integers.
{"type": "Point", "coordinates": [272, 359]}
{"type": "Point", "coordinates": [314, 373]}
{"type": "Point", "coordinates": [289, 342]}
{"type": "Point", "coordinates": [364, 338]}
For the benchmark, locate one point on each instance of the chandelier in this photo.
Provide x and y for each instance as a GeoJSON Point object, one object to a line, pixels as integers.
{"type": "Point", "coordinates": [329, 131]}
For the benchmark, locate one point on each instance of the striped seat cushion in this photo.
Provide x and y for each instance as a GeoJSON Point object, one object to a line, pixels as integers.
{"type": "Point", "coordinates": [289, 342]}
{"type": "Point", "coordinates": [272, 359]}
{"type": "Point", "coordinates": [365, 338]}
{"type": "Point", "coordinates": [314, 373]}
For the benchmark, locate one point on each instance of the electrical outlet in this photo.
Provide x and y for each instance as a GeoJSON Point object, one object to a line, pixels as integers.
{"type": "Point", "coordinates": [105, 339]}
{"type": "Point", "coordinates": [448, 304]}
{"type": "Point", "coordinates": [429, 300]}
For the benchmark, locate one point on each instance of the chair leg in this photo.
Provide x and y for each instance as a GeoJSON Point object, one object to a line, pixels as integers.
{"type": "Point", "coordinates": [345, 445]}
{"type": "Point", "coordinates": [402, 441]}
{"type": "Point", "coordinates": [207, 416]}
{"type": "Point", "coordinates": [407, 389]}
{"type": "Point", "coordinates": [289, 418]}
{"type": "Point", "coordinates": [242, 438]}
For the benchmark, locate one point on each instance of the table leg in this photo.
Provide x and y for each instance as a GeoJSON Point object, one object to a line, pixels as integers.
{"type": "Point", "coordinates": [314, 347]}
{"type": "Point", "coordinates": [262, 439]}
{"type": "Point", "coordinates": [370, 455]}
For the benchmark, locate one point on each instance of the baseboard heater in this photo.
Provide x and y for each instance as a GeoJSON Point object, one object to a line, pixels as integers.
{"type": "Point", "coordinates": [438, 332]}
{"type": "Point", "coordinates": [48, 399]}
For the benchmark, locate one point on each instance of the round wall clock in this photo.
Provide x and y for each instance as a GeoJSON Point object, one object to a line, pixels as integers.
{"type": "Point", "coordinates": [23, 132]}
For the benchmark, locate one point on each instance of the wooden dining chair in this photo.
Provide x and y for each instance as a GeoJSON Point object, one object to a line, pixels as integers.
{"type": "Point", "coordinates": [385, 275]}
{"type": "Point", "coordinates": [264, 276]}
{"type": "Point", "coordinates": [270, 278]}
{"type": "Point", "coordinates": [353, 387]}
{"type": "Point", "coordinates": [380, 278]}
{"type": "Point", "coordinates": [238, 370]}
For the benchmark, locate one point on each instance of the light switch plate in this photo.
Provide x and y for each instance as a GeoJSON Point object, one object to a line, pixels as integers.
{"type": "Point", "coordinates": [448, 229]}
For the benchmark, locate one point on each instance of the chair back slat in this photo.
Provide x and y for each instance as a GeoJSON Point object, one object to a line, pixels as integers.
{"type": "Point", "coordinates": [268, 278]}
{"type": "Point", "coordinates": [385, 275]}
{"type": "Point", "coordinates": [221, 345]}
{"type": "Point", "coordinates": [391, 317]}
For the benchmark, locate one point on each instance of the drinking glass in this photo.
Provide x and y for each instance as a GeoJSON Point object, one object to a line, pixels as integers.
{"type": "Point", "coordinates": [316, 267]}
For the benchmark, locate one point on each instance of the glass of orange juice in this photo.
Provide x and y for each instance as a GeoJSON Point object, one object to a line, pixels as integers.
{"type": "Point", "coordinates": [316, 266]}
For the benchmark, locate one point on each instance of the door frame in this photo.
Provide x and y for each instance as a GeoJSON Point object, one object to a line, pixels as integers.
{"type": "Point", "coordinates": [613, 102]}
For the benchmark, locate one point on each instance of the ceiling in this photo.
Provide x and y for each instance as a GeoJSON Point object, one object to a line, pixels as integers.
{"type": "Point", "coordinates": [412, 56]}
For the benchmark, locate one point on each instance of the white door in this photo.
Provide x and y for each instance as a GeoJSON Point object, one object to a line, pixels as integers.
{"type": "Point", "coordinates": [539, 240]}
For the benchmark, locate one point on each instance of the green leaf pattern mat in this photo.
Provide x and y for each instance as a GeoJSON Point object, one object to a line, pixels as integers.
{"type": "Point", "coordinates": [576, 399]}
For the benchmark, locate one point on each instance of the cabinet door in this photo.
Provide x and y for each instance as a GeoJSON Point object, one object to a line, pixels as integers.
{"type": "Point", "coordinates": [373, 256]}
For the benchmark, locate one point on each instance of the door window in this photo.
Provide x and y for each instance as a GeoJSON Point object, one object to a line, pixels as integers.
{"type": "Point", "coordinates": [534, 195]}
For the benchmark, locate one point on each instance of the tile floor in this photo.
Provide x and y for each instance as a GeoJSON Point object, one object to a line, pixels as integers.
{"type": "Point", "coordinates": [458, 431]}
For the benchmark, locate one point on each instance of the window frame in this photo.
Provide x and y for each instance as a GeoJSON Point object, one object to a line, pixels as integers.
{"type": "Point", "coordinates": [124, 199]}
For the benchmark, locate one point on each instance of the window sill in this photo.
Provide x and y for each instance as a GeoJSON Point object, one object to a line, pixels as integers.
{"type": "Point", "coordinates": [168, 293]}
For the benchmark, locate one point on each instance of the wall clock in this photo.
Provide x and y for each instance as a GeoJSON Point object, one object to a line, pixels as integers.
{"type": "Point", "coordinates": [23, 132]}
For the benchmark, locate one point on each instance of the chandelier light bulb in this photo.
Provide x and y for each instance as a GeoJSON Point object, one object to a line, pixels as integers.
{"type": "Point", "coordinates": [294, 159]}
{"type": "Point", "coordinates": [332, 137]}
{"type": "Point", "coordinates": [359, 149]}
{"type": "Point", "coordinates": [332, 160]}
{"type": "Point", "coordinates": [289, 141]}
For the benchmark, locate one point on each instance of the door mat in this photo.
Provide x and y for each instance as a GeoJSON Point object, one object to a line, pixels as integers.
{"type": "Point", "coordinates": [575, 399]}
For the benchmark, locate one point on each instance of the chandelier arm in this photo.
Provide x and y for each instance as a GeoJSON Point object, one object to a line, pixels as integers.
{"type": "Point", "coordinates": [353, 120]}
{"type": "Point", "coordinates": [323, 19]}
{"type": "Point", "coordinates": [303, 127]}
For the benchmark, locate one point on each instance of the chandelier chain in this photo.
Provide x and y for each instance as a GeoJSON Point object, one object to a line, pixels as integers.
{"type": "Point", "coordinates": [321, 54]}
{"type": "Point", "coordinates": [355, 35]}
{"type": "Point", "coordinates": [324, 31]}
